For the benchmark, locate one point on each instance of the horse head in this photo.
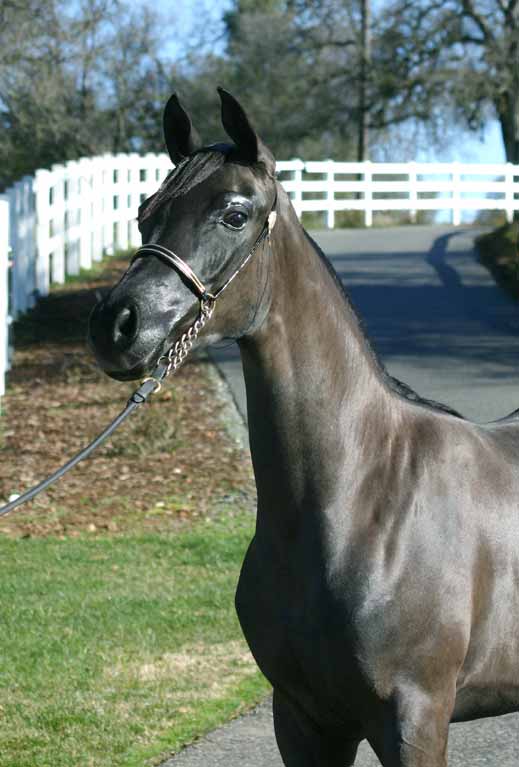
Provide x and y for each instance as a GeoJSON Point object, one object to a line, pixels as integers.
{"type": "Point", "coordinates": [212, 212]}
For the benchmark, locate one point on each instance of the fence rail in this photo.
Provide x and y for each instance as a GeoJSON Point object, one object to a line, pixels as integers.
{"type": "Point", "coordinates": [63, 219]}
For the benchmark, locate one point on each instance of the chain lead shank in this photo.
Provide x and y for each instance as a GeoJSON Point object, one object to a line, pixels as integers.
{"type": "Point", "coordinates": [179, 351]}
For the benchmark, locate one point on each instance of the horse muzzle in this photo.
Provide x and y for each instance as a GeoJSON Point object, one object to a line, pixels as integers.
{"type": "Point", "coordinates": [124, 344]}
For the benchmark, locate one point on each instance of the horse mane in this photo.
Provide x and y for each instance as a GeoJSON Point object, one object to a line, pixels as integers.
{"type": "Point", "coordinates": [191, 172]}
{"type": "Point", "coordinates": [405, 391]}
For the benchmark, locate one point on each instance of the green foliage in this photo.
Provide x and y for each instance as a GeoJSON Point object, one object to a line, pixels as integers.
{"type": "Point", "coordinates": [281, 79]}
{"type": "Point", "coordinates": [77, 80]}
{"type": "Point", "coordinates": [239, 8]}
{"type": "Point", "coordinates": [116, 650]}
{"type": "Point", "coordinates": [83, 79]}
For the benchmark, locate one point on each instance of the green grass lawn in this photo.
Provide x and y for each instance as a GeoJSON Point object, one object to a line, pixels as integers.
{"type": "Point", "coordinates": [117, 650]}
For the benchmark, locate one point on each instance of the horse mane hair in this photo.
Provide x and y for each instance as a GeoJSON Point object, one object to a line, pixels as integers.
{"type": "Point", "coordinates": [185, 176]}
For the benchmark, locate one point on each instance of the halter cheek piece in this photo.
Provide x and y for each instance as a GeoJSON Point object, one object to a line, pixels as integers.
{"type": "Point", "coordinates": [168, 362]}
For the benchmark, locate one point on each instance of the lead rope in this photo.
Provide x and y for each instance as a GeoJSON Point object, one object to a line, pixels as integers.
{"type": "Point", "coordinates": [168, 363]}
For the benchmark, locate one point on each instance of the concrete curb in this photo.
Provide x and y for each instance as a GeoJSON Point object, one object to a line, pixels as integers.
{"type": "Point", "coordinates": [233, 419]}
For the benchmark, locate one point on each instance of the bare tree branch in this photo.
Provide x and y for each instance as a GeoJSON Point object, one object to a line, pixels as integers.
{"type": "Point", "coordinates": [469, 10]}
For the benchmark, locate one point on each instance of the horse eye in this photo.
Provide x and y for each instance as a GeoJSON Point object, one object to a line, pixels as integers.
{"type": "Point", "coordinates": [236, 219]}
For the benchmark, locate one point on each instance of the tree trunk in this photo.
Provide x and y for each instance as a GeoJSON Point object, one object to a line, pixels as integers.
{"type": "Point", "coordinates": [365, 61]}
{"type": "Point", "coordinates": [509, 130]}
{"type": "Point", "coordinates": [508, 115]}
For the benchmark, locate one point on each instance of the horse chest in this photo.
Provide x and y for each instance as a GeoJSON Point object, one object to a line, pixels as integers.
{"type": "Point", "coordinates": [299, 639]}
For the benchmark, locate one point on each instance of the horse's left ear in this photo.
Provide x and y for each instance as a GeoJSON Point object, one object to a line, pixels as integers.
{"type": "Point", "coordinates": [236, 123]}
{"type": "Point", "coordinates": [180, 136]}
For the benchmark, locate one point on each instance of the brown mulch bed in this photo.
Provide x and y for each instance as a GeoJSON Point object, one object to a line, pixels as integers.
{"type": "Point", "coordinates": [170, 463]}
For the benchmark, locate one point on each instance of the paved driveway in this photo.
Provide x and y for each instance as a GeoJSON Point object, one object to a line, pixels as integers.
{"type": "Point", "coordinates": [439, 323]}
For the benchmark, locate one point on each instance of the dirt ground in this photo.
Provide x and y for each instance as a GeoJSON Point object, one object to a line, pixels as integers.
{"type": "Point", "coordinates": [170, 463]}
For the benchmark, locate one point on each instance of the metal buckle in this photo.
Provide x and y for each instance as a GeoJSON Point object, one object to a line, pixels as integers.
{"type": "Point", "coordinates": [158, 384]}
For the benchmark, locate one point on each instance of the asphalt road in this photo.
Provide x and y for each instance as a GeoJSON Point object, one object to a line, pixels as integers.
{"type": "Point", "coordinates": [440, 324]}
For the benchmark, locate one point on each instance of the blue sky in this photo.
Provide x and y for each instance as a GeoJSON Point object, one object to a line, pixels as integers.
{"type": "Point", "coordinates": [493, 149]}
{"type": "Point", "coordinates": [471, 148]}
{"type": "Point", "coordinates": [200, 20]}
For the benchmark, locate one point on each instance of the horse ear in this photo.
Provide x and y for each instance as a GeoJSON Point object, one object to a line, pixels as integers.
{"type": "Point", "coordinates": [180, 136]}
{"type": "Point", "coordinates": [236, 123]}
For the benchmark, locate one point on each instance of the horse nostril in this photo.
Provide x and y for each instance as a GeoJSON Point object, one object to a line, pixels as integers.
{"type": "Point", "coordinates": [125, 326]}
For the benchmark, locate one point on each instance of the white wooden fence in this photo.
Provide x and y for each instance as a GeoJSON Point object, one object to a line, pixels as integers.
{"type": "Point", "coordinates": [331, 186]}
{"type": "Point", "coordinates": [61, 220]}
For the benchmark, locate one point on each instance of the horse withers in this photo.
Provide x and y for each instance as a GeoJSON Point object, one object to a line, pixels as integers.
{"type": "Point", "coordinates": [380, 594]}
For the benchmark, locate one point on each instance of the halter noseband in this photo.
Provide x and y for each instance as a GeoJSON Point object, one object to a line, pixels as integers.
{"type": "Point", "coordinates": [178, 352]}
{"type": "Point", "coordinates": [170, 258]}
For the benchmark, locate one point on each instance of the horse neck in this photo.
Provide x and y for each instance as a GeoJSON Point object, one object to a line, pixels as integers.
{"type": "Point", "coordinates": [311, 379]}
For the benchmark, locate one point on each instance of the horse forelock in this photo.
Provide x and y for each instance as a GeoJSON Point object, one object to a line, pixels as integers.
{"type": "Point", "coordinates": [189, 173]}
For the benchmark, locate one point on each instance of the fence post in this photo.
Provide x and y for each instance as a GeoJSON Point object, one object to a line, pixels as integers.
{"type": "Point", "coordinates": [330, 195]}
{"type": "Point", "coordinates": [97, 209]}
{"type": "Point", "coordinates": [107, 204]}
{"type": "Point", "coordinates": [42, 191]}
{"type": "Point", "coordinates": [84, 211]}
{"type": "Point", "coordinates": [413, 192]}
{"type": "Point", "coordinates": [135, 200]}
{"type": "Point", "coordinates": [71, 201]}
{"type": "Point", "coordinates": [368, 194]}
{"type": "Point", "coordinates": [509, 192]}
{"type": "Point", "coordinates": [23, 245]}
{"type": "Point", "coordinates": [17, 297]}
{"type": "Point", "coordinates": [456, 194]}
{"type": "Point", "coordinates": [59, 267]}
{"type": "Point", "coordinates": [298, 191]}
{"type": "Point", "coordinates": [4, 295]}
{"type": "Point", "coordinates": [121, 215]}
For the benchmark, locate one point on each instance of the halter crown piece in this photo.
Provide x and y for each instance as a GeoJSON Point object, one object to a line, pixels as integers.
{"type": "Point", "coordinates": [169, 362]}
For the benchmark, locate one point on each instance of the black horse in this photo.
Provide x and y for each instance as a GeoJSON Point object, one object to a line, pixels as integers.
{"type": "Point", "coordinates": [380, 594]}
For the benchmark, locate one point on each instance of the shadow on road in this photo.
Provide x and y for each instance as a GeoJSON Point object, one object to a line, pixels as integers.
{"type": "Point", "coordinates": [450, 278]}
{"type": "Point", "coordinates": [457, 313]}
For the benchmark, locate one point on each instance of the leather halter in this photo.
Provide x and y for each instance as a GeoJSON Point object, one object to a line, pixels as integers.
{"type": "Point", "coordinates": [181, 267]}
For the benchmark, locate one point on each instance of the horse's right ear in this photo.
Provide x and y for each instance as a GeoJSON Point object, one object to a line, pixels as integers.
{"type": "Point", "coordinates": [237, 126]}
{"type": "Point", "coordinates": [180, 136]}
